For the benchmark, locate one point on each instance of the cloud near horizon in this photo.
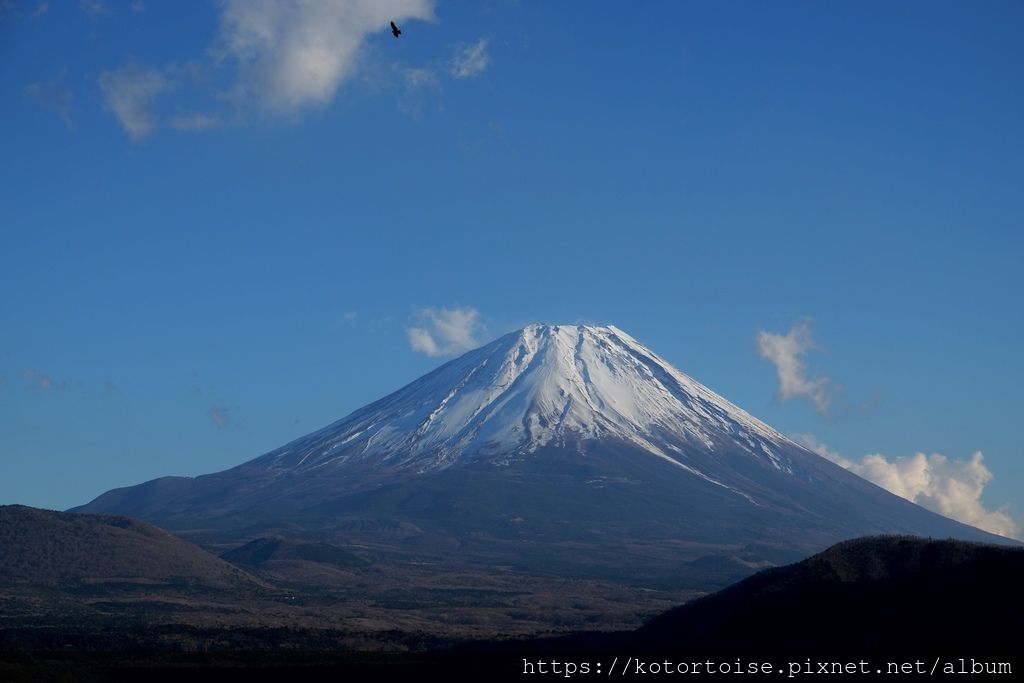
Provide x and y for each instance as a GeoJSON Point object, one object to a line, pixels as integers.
{"type": "Point", "coordinates": [446, 331]}
{"type": "Point", "coordinates": [950, 487]}
{"type": "Point", "coordinates": [785, 352]}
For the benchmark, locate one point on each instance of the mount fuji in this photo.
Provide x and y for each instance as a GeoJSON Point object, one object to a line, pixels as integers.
{"type": "Point", "coordinates": [557, 449]}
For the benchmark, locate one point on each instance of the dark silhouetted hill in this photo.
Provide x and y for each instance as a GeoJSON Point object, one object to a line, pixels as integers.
{"type": "Point", "coordinates": [880, 593]}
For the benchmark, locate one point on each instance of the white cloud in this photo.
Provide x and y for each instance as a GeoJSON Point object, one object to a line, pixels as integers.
{"type": "Point", "coordinates": [811, 442]}
{"type": "Point", "coordinates": [283, 57]}
{"type": "Point", "coordinates": [129, 92]}
{"type": "Point", "coordinates": [951, 487]}
{"type": "Point", "coordinates": [471, 60]}
{"type": "Point", "coordinates": [786, 352]}
{"type": "Point", "coordinates": [294, 54]}
{"type": "Point", "coordinates": [421, 340]}
{"type": "Point", "coordinates": [446, 331]}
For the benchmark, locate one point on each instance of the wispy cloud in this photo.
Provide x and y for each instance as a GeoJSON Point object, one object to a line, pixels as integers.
{"type": "Point", "coordinates": [56, 97]}
{"type": "Point", "coordinates": [422, 87]}
{"type": "Point", "coordinates": [294, 54]}
{"type": "Point", "coordinates": [420, 77]}
{"type": "Point", "coordinates": [786, 352]}
{"type": "Point", "coordinates": [94, 8]}
{"type": "Point", "coordinates": [219, 416]}
{"type": "Point", "coordinates": [446, 331]}
{"type": "Point", "coordinates": [41, 380]}
{"type": "Point", "coordinates": [951, 487]}
{"type": "Point", "coordinates": [471, 60]}
{"type": "Point", "coordinates": [195, 122]}
{"type": "Point", "coordinates": [129, 92]}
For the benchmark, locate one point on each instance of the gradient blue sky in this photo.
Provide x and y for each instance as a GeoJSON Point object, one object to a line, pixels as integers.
{"type": "Point", "coordinates": [201, 261]}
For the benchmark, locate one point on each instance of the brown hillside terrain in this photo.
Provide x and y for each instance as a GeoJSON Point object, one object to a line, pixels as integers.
{"type": "Point", "coordinates": [48, 547]}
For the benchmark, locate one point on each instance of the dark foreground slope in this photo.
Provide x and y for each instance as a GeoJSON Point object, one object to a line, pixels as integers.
{"type": "Point", "coordinates": [884, 593]}
{"type": "Point", "coordinates": [112, 583]}
{"type": "Point", "coordinates": [879, 601]}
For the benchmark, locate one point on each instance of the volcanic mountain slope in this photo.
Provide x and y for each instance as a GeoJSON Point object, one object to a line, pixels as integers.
{"type": "Point", "coordinates": [264, 551]}
{"type": "Point", "coordinates": [565, 449]}
{"type": "Point", "coordinates": [297, 563]}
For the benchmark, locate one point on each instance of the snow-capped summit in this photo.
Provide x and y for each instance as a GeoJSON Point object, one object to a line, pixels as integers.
{"type": "Point", "coordinates": [544, 385]}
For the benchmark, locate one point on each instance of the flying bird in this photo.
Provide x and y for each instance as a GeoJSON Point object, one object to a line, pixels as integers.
{"type": "Point", "coordinates": [395, 31]}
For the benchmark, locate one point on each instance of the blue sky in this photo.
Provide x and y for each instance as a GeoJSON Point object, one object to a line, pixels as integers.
{"type": "Point", "coordinates": [221, 220]}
